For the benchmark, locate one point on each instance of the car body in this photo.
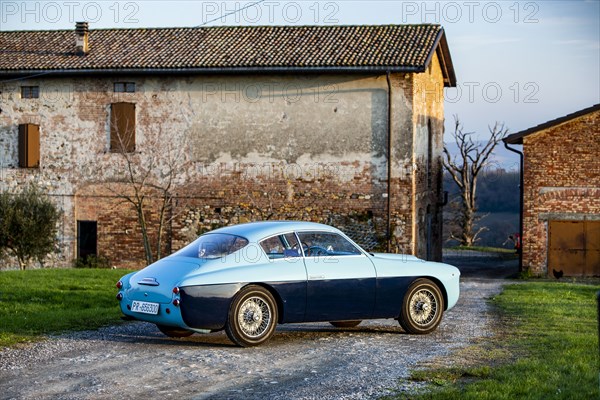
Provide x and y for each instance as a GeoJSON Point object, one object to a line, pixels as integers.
{"type": "Point", "coordinates": [248, 278]}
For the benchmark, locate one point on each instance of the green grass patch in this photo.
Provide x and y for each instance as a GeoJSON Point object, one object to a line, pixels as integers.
{"type": "Point", "coordinates": [38, 302]}
{"type": "Point", "coordinates": [485, 249]}
{"type": "Point", "coordinates": [549, 349]}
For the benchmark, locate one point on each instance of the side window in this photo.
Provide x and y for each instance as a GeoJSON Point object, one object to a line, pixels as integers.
{"type": "Point", "coordinates": [326, 244]}
{"type": "Point", "coordinates": [273, 247]}
{"type": "Point", "coordinates": [281, 246]}
{"type": "Point", "coordinates": [213, 245]}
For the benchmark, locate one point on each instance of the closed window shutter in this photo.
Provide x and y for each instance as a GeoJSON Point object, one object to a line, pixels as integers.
{"type": "Point", "coordinates": [122, 127]}
{"type": "Point", "coordinates": [29, 146]}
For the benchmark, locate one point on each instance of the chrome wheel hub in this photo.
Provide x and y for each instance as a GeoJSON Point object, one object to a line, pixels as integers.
{"type": "Point", "coordinates": [423, 307]}
{"type": "Point", "coordinates": [254, 317]}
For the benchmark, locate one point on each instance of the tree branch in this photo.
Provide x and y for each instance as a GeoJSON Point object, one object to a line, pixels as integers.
{"type": "Point", "coordinates": [465, 172]}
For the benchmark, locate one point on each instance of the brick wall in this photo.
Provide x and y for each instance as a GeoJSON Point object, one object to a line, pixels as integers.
{"type": "Point", "coordinates": [562, 181]}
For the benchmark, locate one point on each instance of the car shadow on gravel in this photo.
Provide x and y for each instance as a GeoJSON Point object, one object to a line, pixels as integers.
{"type": "Point", "coordinates": [146, 333]}
{"type": "Point", "coordinates": [366, 327]}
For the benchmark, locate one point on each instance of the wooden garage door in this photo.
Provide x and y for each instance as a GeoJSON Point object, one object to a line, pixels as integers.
{"type": "Point", "coordinates": [574, 248]}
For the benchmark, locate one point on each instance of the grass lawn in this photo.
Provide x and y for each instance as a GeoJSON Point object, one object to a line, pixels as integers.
{"type": "Point", "coordinates": [549, 349]}
{"type": "Point", "coordinates": [38, 302]}
{"type": "Point", "coordinates": [485, 249]}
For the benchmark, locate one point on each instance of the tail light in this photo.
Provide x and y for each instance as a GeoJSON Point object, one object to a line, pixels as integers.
{"type": "Point", "coordinates": [119, 285]}
{"type": "Point", "coordinates": [120, 296]}
{"type": "Point", "coordinates": [176, 302]}
{"type": "Point", "coordinates": [176, 290]}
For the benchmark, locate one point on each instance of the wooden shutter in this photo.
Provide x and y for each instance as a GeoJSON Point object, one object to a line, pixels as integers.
{"type": "Point", "coordinates": [122, 127]}
{"type": "Point", "coordinates": [29, 146]}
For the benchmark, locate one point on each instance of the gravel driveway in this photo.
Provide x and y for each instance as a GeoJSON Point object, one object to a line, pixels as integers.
{"type": "Point", "coordinates": [302, 361]}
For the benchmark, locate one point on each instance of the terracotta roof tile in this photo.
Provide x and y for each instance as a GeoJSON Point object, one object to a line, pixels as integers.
{"type": "Point", "coordinates": [401, 47]}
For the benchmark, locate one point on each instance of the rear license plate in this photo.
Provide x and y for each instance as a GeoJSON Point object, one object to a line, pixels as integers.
{"type": "Point", "coordinates": [144, 307]}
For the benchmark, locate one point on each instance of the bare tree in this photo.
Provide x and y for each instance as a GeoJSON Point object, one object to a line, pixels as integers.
{"type": "Point", "coordinates": [267, 200]}
{"type": "Point", "coordinates": [464, 169]}
{"type": "Point", "coordinates": [262, 202]}
{"type": "Point", "coordinates": [147, 177]}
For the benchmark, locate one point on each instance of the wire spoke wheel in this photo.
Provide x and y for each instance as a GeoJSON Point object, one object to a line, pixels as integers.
{"type": "Point", "coordinates": [252, 316]}
{"type": "Point", "coordinates": [422, 307]}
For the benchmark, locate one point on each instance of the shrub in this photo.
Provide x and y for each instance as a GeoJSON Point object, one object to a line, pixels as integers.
{"type": "Point", "coordinates": [28, 222]}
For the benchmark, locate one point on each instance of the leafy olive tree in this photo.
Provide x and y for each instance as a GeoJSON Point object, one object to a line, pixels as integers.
{"type": "Point", "coordinates": [28, 224]}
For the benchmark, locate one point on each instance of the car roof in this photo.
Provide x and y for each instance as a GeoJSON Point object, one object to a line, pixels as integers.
{"type": "Point", "coordinates": [255, 231]}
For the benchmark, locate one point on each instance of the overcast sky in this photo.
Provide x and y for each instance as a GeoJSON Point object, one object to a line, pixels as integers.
{"type": "Point", "coordinates": [521, 63]}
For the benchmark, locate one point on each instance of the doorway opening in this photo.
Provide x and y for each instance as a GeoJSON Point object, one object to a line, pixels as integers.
{"type": "Point", "coordinates": [87, 239]}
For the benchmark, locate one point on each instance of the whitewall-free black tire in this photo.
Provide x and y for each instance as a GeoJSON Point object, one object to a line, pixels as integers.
{"type": "Point", "coordinates": [422, 307]}
{"type": "Point", "coordinates": [252, 316]}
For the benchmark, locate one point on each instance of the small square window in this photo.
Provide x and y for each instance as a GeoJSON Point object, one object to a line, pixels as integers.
{"type": "Point", "coordinates": [124, 87]}
{"type": "Point", "coordinates": [30, 92]}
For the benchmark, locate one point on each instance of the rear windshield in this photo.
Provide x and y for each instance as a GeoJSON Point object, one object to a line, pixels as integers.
{"type": "Point", "coordinates": [213, 245]}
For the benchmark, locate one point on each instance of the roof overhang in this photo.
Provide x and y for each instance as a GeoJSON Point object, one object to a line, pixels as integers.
{"type": "Point", "coordinates": [196, 71]}
{"type": "Point", "coordinates": [443, 52]}
{"type": "Point", "coordinates": [517, 138]}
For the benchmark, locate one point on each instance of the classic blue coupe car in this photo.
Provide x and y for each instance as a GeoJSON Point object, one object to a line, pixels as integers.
{"type": "Point", "coordinates": [247, 278]}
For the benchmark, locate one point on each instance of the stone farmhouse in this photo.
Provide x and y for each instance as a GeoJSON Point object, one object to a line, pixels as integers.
{"type": "Point", "coordinates": [561, 194]}
{"type": "Point", "coordinates": [222, 125]}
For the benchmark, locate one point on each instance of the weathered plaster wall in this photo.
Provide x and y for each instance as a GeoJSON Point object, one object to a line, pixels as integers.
{"type": "Point", "coordinates": [428, 116]}
{"type": "Point", "coordinates": [562, 181]}
{"type": "Point", "coordinates": [245, 147]}
{"type": "Point", "coordinates": [305, 149]}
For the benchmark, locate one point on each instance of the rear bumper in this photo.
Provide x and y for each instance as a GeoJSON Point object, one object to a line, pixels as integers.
{"type": "Point", "coordinates": [168, 314]}
{"type": "Point", "coordinates": [203, 307]}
